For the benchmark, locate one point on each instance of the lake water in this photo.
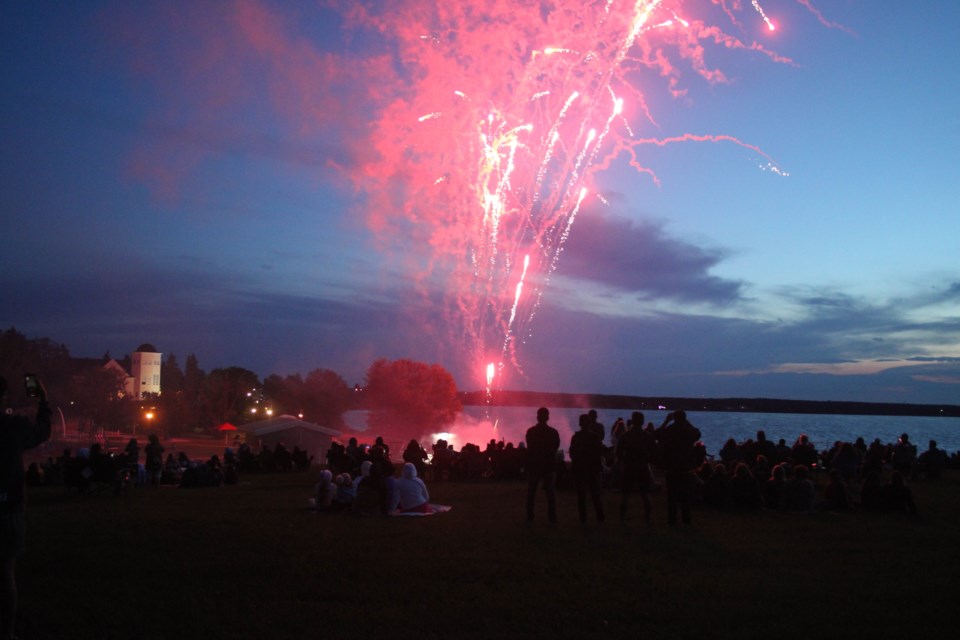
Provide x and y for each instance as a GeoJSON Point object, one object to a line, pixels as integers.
{"type": "Point", "coordinates": [479, 424]}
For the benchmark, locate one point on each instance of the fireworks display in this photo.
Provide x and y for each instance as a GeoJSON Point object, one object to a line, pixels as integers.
{"type": "Point", "coordinates": [508, 109]}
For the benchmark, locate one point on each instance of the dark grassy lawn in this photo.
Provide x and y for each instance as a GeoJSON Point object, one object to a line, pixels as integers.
{"type": "Point", "coordinates": [251, 562]}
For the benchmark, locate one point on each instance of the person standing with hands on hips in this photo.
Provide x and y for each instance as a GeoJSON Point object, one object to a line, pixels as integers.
{"type": "Point", "coordinates": [17, 434]}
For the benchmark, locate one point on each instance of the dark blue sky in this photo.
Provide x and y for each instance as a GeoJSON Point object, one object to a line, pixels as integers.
{"type": "Point", "coordinates": [235, 180]}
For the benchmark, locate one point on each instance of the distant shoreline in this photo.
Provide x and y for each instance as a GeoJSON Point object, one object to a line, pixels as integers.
{"type": "Point", "coordinates": [740, 405]}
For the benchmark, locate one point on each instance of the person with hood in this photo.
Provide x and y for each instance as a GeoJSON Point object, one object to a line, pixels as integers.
{"type": "Point", "coordinates": [411, 494]}
{"type": "Point", "coordinates": [325, 491]}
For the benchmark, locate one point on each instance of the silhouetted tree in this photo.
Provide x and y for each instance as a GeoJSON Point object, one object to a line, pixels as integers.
{"type": "Point", "coordinates": [20, 355]}
{"type": "Point", "coordinates": [97, 398]}
{"type": "Point", "coordinates": [224, 394]}
{"type": "Point", "coordinates": [176, 412]}
{"type": "Point", "coordinates": [408, 399]}
{"type": "Point", "coordinates": [171, 376]}
{"type": "Point", "coordinates": [284, 392]}
{"type": "Point", "coordinates": [324, 397]}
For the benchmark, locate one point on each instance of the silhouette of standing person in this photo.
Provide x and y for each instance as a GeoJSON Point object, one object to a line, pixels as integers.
{"type": "Point", "coordinates": [543, 442]}
{"type": "Point", "coordinates": [677, 438]}
{"type": "Point", "coordinates": [154, 455]}
{"type": "Point", "coordinates": [635, 450]}
{"type": "Point", "coordinates": [586, 461]}
{"type": "Point", "coordinates": [17, 434]}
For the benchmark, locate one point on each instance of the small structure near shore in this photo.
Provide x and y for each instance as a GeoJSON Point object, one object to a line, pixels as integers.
{"type": "Point", "coordinates": [292, 432]}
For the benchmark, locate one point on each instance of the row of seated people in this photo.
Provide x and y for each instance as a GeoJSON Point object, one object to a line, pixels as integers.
{"type": "Point", "coordinates": [853, 459]}
{"type": "Point", "coordinates": [268, 459]}
{"type": "Point", "coordinates": [790, 488]}
{"type": "Point", "coordinates": [93, 469]}
{"type": "Point", "coordinates": [498, 461]}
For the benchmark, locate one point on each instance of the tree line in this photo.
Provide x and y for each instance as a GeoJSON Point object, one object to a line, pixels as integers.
{"type": "Point", "coordinates": [405, 398]}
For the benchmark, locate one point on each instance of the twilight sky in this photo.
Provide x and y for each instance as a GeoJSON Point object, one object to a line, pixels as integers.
{"type": "Point", "coordinates": [285, 186]}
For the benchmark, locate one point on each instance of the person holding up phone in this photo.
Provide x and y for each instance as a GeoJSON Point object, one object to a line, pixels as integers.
{"type": "Point", "coordinates": [17, 434]}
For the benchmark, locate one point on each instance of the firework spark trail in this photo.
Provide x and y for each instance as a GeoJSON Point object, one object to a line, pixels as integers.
{"type": "Point", "coordinates": [507, 110]}
{"type": "Point", "coordinates": [759, 9]}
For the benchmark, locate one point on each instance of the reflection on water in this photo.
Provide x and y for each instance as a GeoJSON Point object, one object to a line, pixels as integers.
{"type": "Point", "coordinates": [480, 424]}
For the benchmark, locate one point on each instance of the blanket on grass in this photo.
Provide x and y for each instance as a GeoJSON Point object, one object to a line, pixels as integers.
{"type": "Point", "coordinates": [434, 508]}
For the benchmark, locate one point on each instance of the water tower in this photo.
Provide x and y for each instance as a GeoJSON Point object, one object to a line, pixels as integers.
{"type": "Point", "coordinates": [145, 369]}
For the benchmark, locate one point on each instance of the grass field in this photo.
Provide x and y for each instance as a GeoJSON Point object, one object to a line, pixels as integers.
{"type": "Point", "coordinates": [250, 561]}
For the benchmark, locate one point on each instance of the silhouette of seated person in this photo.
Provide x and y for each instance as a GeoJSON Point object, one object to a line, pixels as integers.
{"type": "Point", "coordinates": [870, 491]}
{"type": "Point", "coordinates": [804, 453]}
{"type": "Point", "coordinates": [215, 468]}
{"type": "Point", "coordinates": [744, 490]}
{"type": "Point", "coordinates": [836, 496]}
{"type": "Point", "coordinates": [171, 471]}
{"type": "Point", "coordinates": [52, 472]}
{"type": "Point", "coordinates": [415, 455]}
{"type": "Point", "coordinates": [33, 477]}
{"type": "Point", "coordinates": [764, 447]}
{"type": "Point", "coordinates": [896, 495]}
{"type": "Point", "coordinates": [301, 461]}
{"type": "Point", "coordinates": [411, 494]}
{"type": "Point", "coordinates": [716, 485]}
{"type": "Point", "coordinates": [372, 494]}
{"type": "Point", "coordinates": [442, 460]}
{"type": "Point", "coordinates": [799, 492]}
{"type": "Point", "coordinates": [345, 493]}
{"type": "Point", "coordinates": [847, 461]}
{"type": "Point", "coordinates": [904, 455]}
{"type": "Point", "coordinates": [761, 469]}
{"type": "Point", "coordinates": [774, 487]}
{"type": "Point", "coordinates": [932, 461]}
{"type": "Point", "coordinates": [282, 459]}
{"type": "Point", "coordinates": [102, 464]}
{"type": "Point", "coordinates": [266, 460]}
{"type": "Point", "coordinates": [783, 451]}
{"type": "Point", "coordinates": [324, 492]}
{"type": "Point", "coordinates": [874, 458]}
{"type": "Point", "coordinates": [730, 453]}
{"type": "Point", "coordinates": [77, 472]}
{"type": "Point", "coordinates": [131, 453]}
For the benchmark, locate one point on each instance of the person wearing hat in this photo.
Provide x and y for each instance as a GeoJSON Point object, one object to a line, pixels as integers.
{"type": "Point", "coordinates": [17, 434]}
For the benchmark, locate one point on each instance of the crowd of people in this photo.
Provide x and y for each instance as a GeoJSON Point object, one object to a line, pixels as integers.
{"type": "Point", "coordinates": [641, 460]}
{"type": "Point", "coordinates": [372, 487]}
{"type": "Point", "coordinates": [95, 469]}
{"type": "Point", "coordinates": [633, 461]}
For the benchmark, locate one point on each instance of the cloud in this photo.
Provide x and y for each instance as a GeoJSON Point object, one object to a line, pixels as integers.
{"type": "Point", "coordinates": [224, 318]}
{"type": "Point", "coordinates": [641, 259]}
{"type": "Point", "coordinates": [239, 78]}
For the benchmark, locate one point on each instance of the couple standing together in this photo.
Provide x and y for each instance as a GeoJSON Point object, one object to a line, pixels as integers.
{"type": "Point", "coordinates": [674, 440]}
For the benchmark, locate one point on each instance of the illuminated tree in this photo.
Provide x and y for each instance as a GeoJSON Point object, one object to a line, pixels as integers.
{"type": "Point", "coordinates": [408, 399]}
